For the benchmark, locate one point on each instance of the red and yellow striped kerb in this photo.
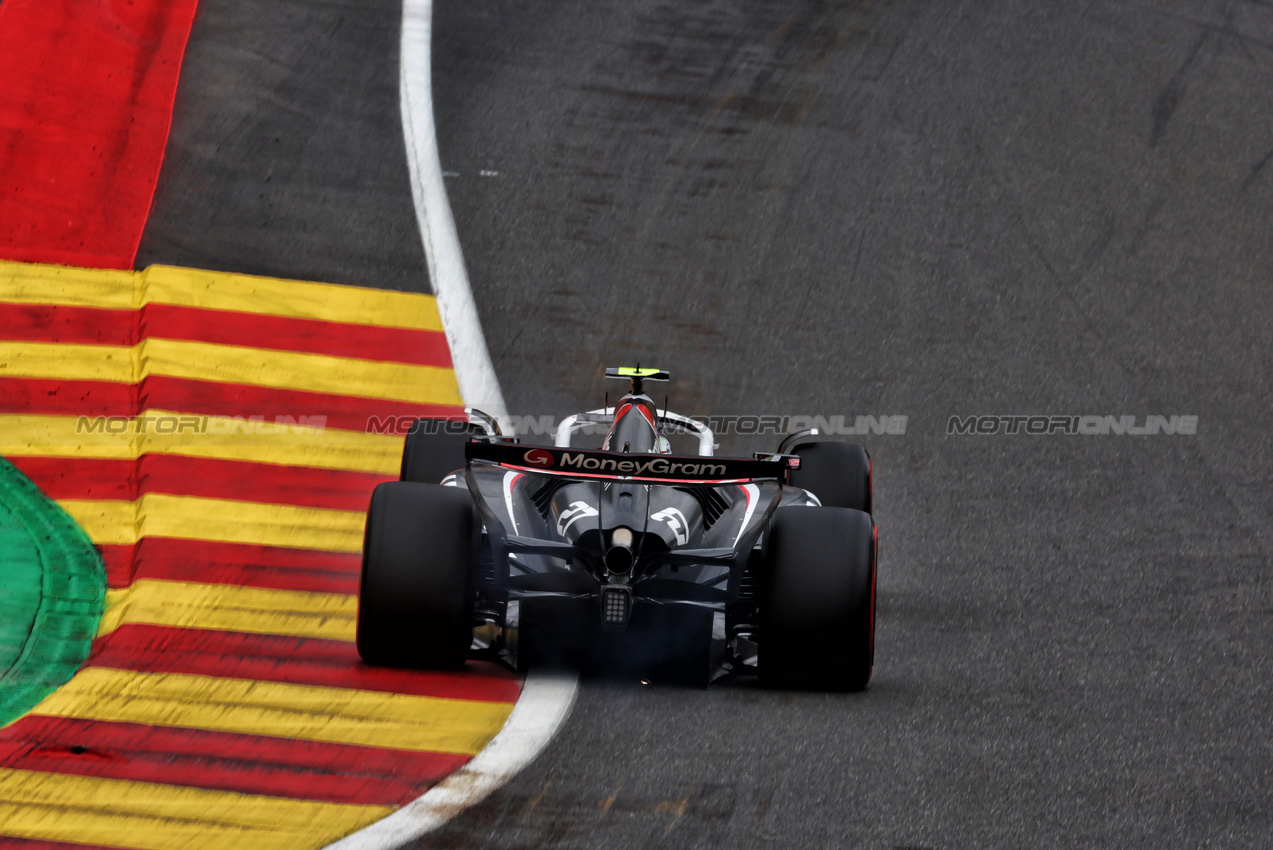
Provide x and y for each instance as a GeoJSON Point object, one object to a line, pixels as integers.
{"type": "Point", "coordinates": [210, 433]}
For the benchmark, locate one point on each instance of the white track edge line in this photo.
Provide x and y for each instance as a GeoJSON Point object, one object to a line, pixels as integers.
{"type": "Point", "coordinates": [545, 700]}
{"type": "Point", "coordinates": [545, 703]}
{"type": "Point", "coordinates": [479, 385]}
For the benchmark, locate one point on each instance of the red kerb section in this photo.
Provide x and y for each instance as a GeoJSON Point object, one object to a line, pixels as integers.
{"type": "Point", "coordinates": [248, 764]}
{"type": "Point", "coordinates": [85, 109]}
{"type": "Point", "coordinates": [306, 487]}
{"type": "Point", "coordinates": [210, 562]}
{"type": "Point", "coordinates": [95, 326]}
{"type": "Point", "coordinates": [9, 843]}
{"type": "Point", "coordinates": [50, 397]}
{"type": "Point", "coordinates": [293, 660]}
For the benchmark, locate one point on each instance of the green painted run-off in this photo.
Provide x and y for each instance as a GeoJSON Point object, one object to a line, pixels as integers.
{"type": "Point", "coordinates": [52, 587]}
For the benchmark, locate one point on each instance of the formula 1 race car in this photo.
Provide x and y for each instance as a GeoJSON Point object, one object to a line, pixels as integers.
{"type": "Point", "coordinates": [677, 568]}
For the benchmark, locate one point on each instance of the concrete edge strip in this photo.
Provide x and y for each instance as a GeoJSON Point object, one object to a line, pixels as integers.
{"type": "Point", "coordinates": [545, 703]}
{"type": "Point", "coordinates": [473, 368]}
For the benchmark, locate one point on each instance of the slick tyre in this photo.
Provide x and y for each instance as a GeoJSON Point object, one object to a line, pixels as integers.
{"type": "Point", "coordinates": [817, 615]}
{"type": "Point", "coordinates": [839, 474]}
{"type": "Point", "coordinates": [415, 596]}
{"type": "Point", "coordinates": [434, 448]}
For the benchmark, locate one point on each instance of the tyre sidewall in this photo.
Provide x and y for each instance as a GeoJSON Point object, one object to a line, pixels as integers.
{"type": "Point", "coordinates": [818, 599]}
{"type": "Point", "coordinates": [434, 448]}
{"type": "Point", "coordinates": [415, 590]}
{"type": "Point", "coordinates": [839, 474]}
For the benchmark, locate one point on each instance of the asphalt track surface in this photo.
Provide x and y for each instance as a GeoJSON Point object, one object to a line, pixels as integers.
{"type": "Point", "coordinates": [285, 156]}
{"type": "Point", "coordinates": [898, 208]}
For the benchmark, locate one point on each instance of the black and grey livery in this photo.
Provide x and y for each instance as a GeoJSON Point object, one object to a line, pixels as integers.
{"type": "Point", "coordinates": [678, 567]}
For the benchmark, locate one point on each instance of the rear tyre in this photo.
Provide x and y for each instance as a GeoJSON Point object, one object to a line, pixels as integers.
{"type": "Point", "coordinates": [817, 615]}
{"type": "Point", "coordinates": [839, 474]}
{"type": "Point", "coordinates": [415, 597]}
{"type": "Point", "coordinates": [434, 448]}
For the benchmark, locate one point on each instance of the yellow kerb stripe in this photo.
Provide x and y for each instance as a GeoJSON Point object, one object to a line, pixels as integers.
{"type": "Point", "coordinates": [265, 611]}
{"type": "Point", "coordinates": [277, 709]}
{"type": "Point", "coordinates": [31, 283]}
{"type": "Point", "coordinates": [114, 363]}
{"type": "Point", "coordinates": [223, 520]}
{"type": "Point", "coordinates": [150, 816]}
{"type": "Point", "coordinates": [222, 439]}
{"type": "Point", "coordinates": [230, 364]}
{"type": "Point", "coordinates": [27, 283]}
{"type": "Point", "coordinates": [271, 296]}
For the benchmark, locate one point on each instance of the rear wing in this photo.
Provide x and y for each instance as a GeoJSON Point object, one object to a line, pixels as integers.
{"type": "Point", "coordinates": [575, 463]}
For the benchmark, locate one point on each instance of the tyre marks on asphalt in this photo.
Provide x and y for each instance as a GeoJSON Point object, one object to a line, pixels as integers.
{"type": "Point", "coordinates": [224, 701]}
{"type": "Point", "coordinates": [286, 154]}
{"type": "Point", "coordinates": [473, 366]}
